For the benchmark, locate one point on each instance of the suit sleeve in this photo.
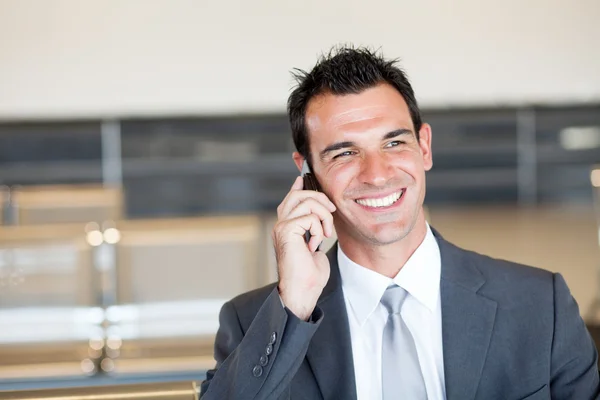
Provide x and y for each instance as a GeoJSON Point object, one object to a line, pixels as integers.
{"type": "Point", "coordinates": [574, 363]}
{"type": "Point", "coordinates": [259, 363]}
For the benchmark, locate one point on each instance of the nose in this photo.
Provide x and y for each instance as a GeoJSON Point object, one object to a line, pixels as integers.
{"type": "Point", "coordinates": [375, 170]}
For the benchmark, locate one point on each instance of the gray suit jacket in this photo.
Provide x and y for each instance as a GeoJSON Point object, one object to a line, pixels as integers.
{"type": "Point", "coordinates": [509, 332]}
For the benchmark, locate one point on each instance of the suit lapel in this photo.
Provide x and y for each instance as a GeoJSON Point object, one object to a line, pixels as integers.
{"type": "Point", "coordinates": [467, 322]}
{"type": "Point", "coordinates": [330, 352]}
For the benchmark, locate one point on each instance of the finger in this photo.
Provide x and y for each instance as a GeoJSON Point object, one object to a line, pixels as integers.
{"type": "Point", "coordinates": [298, 184]}
{"type": "Point", "coordinates": [294, 198]}
{"type": "Point", "coordinates": [316, 233]}
{"type": "Point", "coordinates": [312, 206]}
{"type": "Point", "coordinates": [297, 227]}
{"type": "Point", "coordinates": [314, 243]}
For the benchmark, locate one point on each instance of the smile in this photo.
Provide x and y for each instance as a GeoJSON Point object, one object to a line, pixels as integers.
{"type": "Point", "coordinates": [381, 202]}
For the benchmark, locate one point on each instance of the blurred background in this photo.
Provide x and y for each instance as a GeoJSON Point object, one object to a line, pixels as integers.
{"type": "Point", "coordinates": [144, 148]}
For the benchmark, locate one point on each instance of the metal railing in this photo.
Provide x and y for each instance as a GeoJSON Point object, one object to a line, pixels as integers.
{"type": "Point", "coordinates": [163, 390]}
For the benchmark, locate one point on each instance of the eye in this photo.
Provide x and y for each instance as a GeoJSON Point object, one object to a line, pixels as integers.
{"type": "Point", "coordinates": [344, 154]}
{"type": "Point", "coordinates": [394, 143]}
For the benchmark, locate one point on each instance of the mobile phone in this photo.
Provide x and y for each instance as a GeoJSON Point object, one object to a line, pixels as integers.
{"type": "Point", "coordinates": [310, 183]}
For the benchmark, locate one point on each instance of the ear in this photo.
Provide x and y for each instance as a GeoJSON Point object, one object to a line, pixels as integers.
{"type": "Point", "coordinates": [425, 146]}
{"type": "Point", "coordinates": [298, 160]}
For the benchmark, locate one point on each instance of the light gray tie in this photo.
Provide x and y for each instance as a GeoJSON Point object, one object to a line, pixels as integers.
{"type": "Point", "coordinates": [400, 371]}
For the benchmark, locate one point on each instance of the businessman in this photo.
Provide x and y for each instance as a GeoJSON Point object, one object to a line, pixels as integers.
{"type": "Point", "coordinates": [392, 311]}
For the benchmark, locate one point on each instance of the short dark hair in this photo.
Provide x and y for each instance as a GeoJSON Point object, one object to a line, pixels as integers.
{"type": "Point", "coordinates": [345, 70]}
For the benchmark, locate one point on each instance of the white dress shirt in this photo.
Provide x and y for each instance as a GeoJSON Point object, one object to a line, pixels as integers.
{"type": "Point", "coordinates": [363, 289]}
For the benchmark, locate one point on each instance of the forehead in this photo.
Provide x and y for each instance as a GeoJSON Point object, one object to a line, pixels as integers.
{"type": "Point", "coordinates": [381, 106]}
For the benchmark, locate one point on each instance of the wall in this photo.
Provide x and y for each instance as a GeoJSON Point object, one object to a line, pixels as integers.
{"type": "Point", "coordinates": [105, 58]}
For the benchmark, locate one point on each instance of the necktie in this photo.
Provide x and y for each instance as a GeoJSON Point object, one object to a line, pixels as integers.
{"type": "Point", "coordinates": [400, 370]}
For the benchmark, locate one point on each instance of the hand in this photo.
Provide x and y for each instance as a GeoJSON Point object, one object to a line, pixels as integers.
{"type": "Point", "coordinates": [303, 271]}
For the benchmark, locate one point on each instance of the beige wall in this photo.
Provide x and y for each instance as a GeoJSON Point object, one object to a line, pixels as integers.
{"type": "Point", "coordinates": [113, 57]}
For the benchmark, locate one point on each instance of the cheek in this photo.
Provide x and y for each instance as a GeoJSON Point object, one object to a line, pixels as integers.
{"type": "Point", "coordinates": [410, 162]}
{"type": "Point", "coordinates": [340, 178]}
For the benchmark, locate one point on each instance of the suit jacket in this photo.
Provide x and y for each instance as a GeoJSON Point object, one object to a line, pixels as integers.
{"type": "Point", "coordinates": [509, 332]}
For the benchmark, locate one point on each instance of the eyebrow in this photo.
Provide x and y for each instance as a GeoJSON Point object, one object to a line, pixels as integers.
{"type": "Point", "coordinates": [342, 145]}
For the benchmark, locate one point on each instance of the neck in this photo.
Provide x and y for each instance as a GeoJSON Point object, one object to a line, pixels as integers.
{"type": "Point", "coordinates": [387, 259]}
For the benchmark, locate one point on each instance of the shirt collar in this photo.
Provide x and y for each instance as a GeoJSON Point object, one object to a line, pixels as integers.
{"type": "Point", "coordinates": [420, 277]}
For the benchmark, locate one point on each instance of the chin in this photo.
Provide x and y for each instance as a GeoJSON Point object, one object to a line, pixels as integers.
{"type": "Point", "coordinates": [385, 236]}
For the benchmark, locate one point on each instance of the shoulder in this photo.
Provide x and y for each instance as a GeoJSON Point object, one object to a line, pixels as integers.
{"type": "Point", "coordinates": [253, 298]}
{"type": "Point", "coordinates": [509, 271]}
{"type": "Point", "coordinates": [508, 281]}
{"type": "Point", "coordinates": [246, 305]}
{"type": "Point", "coordinates": [490, 268]}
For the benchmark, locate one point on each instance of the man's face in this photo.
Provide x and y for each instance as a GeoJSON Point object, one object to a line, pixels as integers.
{"type": "Point", "coordinates": [368, 161]}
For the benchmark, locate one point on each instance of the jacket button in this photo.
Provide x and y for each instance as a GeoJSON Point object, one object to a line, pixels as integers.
{"type": "Point", "coordinates": [264, 360]}
{"type": "Point", "coordinates": [257, 371]}
{"type": "Point", "coordinates": [269, 350]}
{"type": "Point", "coordinates": [273, 338]}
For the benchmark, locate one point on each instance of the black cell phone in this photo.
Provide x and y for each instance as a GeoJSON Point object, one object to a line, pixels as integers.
{"type": "Point", "coordinates": [310, 183]}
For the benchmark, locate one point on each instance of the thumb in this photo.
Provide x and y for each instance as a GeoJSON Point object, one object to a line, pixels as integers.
{"type": "Point", "coordinates": [298, 183]}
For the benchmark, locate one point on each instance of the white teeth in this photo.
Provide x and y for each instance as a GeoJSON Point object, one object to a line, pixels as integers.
{"type": "Point", "coordinates": [381, 202]}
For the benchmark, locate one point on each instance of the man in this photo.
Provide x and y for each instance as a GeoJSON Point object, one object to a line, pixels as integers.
{"type": "Point", "coordinates": [393, 310]}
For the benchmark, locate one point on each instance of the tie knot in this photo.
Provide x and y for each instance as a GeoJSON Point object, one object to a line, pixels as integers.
{"type": "Point", "coordinates": [393, 298]}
